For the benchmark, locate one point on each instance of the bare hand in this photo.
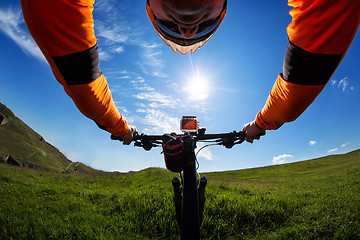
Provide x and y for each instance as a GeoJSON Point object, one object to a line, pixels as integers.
{"type": "Point", "coordinates": [253, 131]}
{"type": "Point", "coordinates": [128, 137]}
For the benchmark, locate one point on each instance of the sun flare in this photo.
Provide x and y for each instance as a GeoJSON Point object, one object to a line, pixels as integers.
{"type": "Point", "coordinates": [197, 87]}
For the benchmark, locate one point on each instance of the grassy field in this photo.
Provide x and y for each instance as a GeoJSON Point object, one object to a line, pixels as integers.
{"type": "Point", "coordinates": [317, 199]}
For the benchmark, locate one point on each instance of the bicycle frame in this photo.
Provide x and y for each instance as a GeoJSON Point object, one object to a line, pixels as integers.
{"type": "Point", "coordinates": [190, 223]}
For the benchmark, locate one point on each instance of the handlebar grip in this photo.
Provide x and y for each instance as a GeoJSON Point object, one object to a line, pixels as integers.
{"type": "Point", "coordinates": [113, 137]}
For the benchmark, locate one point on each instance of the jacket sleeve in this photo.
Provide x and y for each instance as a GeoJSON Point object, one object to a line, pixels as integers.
{"type": "Point", "coordinates": [320, 34]}
{"type": "Point", "coordinates": [64, 31]}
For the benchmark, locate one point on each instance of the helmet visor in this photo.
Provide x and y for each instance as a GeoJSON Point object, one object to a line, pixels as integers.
{"type": "Point", "coordinates": [170, 34]}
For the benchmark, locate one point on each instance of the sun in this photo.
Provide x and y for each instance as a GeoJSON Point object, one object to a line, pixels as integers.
{"type": "Point", "coordinates": [197, 86]}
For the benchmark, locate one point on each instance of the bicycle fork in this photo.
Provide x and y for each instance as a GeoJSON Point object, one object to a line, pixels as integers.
{"type": "Point", "coordinates": [176, 183]}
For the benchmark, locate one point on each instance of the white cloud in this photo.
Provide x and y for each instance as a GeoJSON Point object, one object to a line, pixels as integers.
{"type": "Point", "coordinates": [311, 143]}
{"type": "Point", "coordinates": [116, 74]}
{"type": "Point", "coordinates": [111, 33]}
{"type": "Point", "coordinates": [281, 159]}
{"type": "Point", "coordinates": [343, 83]}
{"type": "Point", "coordinates": [204, 153]}
{"type": "Point", "coordinates": [104, 6]}
{"type": "Point", "coordinates": [151, 45]}
{"type": "Point", "coordinates": [344, 145]}
{"type": "Point", "coordinates": [154, 110]}
{"type": "Point", "coordinates": [109, 37]}
{"type": "Point", "coordinates": [119, 49]}
{"type": "Point", "coordinates": [152, 62]}
{"type": "Point", "coordinates": [103, 55]}
{"type": "Point", "coordinates": [158, 121]}
{"type": "Point", "coordinates": [149, 96]}
{"type": "Point", "coordinates": [332, 150]}
{"type": "Point", "coordinates": [115, 29]}
{"type": "Point", "coordinates": [10, 25]}
{"type": "Point", "coordinates": [157, 100]}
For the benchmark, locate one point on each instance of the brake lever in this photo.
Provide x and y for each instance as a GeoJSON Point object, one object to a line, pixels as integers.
{"type": "Point", "coordinates": [227, 142]}
{"type": "Point", "coordinates": [239, 141]}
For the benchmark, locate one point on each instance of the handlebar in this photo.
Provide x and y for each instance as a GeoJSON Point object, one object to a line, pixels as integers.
{"type": "Point", "coordinates": [226, 139]}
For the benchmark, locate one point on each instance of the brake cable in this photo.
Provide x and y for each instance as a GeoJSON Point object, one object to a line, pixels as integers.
{"type": "Point", "coordinates": [212, 144]}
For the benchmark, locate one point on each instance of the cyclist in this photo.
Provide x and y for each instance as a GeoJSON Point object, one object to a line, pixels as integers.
{"type": "Point", "coordinates": [63, 30]}
{"type": "Point", "coordinates": [320, 33]}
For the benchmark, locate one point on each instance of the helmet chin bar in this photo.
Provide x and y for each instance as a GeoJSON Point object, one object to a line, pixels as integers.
{"type": "Point", "coordinates": [184, 49]}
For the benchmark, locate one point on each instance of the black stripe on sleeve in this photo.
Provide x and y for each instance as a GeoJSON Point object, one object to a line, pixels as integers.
{"type": "Point", "coordinates": [303, 67]}
{"type": "Point", "coordinates": [101, 126]}
{"type": "Point", "coordinates": [79, 68]}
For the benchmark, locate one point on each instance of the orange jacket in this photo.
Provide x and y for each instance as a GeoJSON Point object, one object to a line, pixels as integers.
{"type": "Point", "coordinates": [320, 34]}
{"type": "Point", "coordinates": [64, 31]}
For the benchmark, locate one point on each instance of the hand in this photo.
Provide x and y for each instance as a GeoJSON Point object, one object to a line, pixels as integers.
{"type": "Point", "coordinates": [253, 131]}
{"type": "Point", "coordinates": [128, 137]}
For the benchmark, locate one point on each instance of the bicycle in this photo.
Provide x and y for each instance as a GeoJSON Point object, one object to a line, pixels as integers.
{"type": "Point", "coordinates": [189, 189]}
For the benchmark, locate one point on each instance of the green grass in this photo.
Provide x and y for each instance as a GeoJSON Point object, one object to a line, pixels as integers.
{"type": "Point", "coordinates": [317, 199]}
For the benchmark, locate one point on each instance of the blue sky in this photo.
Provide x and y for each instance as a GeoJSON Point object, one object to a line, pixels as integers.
{"type": "Point", "coordinates": [225, 83]}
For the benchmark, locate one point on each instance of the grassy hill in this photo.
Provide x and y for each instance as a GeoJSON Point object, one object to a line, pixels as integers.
{"type": "Point", "coordinates": [22, 146]}
{"type": "Point", "coordinates": [315, 199]}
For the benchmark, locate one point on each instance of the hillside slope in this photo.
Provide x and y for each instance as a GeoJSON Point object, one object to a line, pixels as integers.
{"type": "Point", "coordinates": [22, 146]}
{"type": "Point", "coordinates": [319, 167]}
